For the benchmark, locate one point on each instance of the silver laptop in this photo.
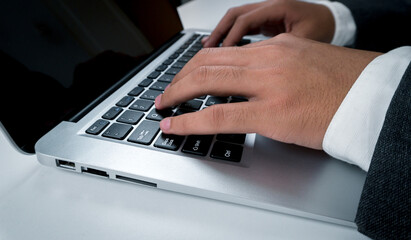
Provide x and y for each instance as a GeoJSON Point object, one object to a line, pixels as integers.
{"type": "Point", "coordinates": [85, 75]}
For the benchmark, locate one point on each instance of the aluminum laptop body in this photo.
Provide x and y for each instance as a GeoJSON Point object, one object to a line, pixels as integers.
{"type": "Point", "coordinates": [270, 175]}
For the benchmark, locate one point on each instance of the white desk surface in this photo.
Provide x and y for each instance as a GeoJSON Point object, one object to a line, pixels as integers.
{"type": "Point", "coordinates": [38, 202]}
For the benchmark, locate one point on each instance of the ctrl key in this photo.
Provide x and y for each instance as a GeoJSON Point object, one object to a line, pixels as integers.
{"type": "Point", "coordinates": [227, 151]}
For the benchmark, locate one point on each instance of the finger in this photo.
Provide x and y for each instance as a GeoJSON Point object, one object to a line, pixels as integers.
{"type": "Point", "coordinates": [255, 19]}
{"type": "Point", "coordinates": [210, 80]}
{"type": "Point", "coordinates": [221, 118]}
{"type": "Point", "coordinates": [215, 57]}
{"type": "Point", "coordinates": [225, 24]}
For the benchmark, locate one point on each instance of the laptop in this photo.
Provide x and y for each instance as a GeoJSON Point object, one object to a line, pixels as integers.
{"type": "Point", "coordinates": [83, 76]}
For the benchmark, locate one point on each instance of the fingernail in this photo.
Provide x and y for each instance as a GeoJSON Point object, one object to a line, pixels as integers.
{"type": "Point", "coordinates": [165, 124]}
{"type": "Point", "coordinates": [157, 101]}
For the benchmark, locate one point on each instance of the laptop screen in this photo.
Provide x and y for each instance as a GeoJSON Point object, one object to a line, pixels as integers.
{"type": "Point", "coordinates": [57, 56]}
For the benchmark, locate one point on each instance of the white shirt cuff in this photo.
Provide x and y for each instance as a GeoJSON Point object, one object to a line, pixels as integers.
{"type": "Point", "coordinates": [345, 27]}
{"type": "Point", "coordinates": [356, 126]}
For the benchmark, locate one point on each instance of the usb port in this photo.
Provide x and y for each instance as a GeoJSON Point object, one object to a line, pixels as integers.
{"type": "Point", "coordinates": [65, 164]}
{"type": "Point", "coordinates": [94, 172]}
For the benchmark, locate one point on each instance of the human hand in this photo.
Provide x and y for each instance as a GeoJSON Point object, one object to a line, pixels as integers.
{"type": "Point", "coordinates": [294, 87]}
{"type": "Point", "coordinates": [309, 20]}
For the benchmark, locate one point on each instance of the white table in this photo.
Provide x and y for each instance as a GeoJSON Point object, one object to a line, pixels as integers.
{"type": "Point", "coordinates": [38, 202]}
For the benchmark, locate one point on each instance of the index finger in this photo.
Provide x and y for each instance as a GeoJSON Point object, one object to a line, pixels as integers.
{"type": "Point", "coordinates": [226, 23]}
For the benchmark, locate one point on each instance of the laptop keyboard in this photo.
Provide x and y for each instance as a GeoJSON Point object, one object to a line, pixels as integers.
{"type": "Point", "coordinates": [135, 119]}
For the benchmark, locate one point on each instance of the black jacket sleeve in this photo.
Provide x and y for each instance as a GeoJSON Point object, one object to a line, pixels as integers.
{"type": "Point", "coordinates": [384, 211]}
{"type": "Point", "coordinates": [382, 25]}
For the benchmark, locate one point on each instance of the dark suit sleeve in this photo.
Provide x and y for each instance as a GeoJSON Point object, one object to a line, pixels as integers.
{"type": "Point", "coordinates": [382, 25]}
{"type": "Point", "coordinates": [384, 211]}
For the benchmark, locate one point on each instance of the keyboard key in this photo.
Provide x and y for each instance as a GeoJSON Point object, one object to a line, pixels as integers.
{"type": "Point", "coordinates": [158, 115]}
{"type": "Point", "coordinates": [166, 78]}
{"type": "Point", "coordinates": [184, 59]}
{"type": "Point", "coordinates": [125, 101]}
{"type": "Point", "coordinates": [161, 68]}
{"type": "Point", "coordinates": [160, 86]}
{"type": "Point", "coordinates": [178, 65]}
{"type": "Point", "coordinates": [182, 111]}
{"type": "Point", "coordinates": [150, 94]}
{"type": "Point", "coordinates": [192, 105]}
{"type": "Point", "coordinates": [145, 83]}
{"type": "Point", "coordinates": [112, 113]}
{"type": "Point", "coordinates": [136, 91]}
{"type": "Point", "coordinates": [154, 75]}
{"type": "Point", "coordinates": [168, 61]}
{"type": "Point", "coordinates": [169, 142]}
{"type": "Point", "coordinates": [238, 99]}
{"type": "Point", "coordinates": [180, 51]}
{"type": "Point", "coordinates": [141, 105]}
{"type": "Point", "coordinates": [202, 97]}
{"type": "Point", "coordinates": [215, 100]}
{"type": "Point", "coordinates": [117, 131]}
{"type": "Point", "coordinates": [243, 42]}
{"type": "Point", "coordinates": [97, 127]}
{"type": "Point", "coordinates": [194, 49]}
{"type": "Point", "coordinates": [189, 54]}
{"type": "Point", "coordinates": [227, 151]}
{"type": "Point", "coordinates": [130, 117]}
{"type": "Point", "coordinates": [173, 71]}
{"type": "Point", "coordinates": [232, 138]}
{"type": "Point", "coordinates": [174, 56]}
{"type": "Point", "coordinates": [145, 132]}
{"type": "Point", "coordinates": [197, 144]}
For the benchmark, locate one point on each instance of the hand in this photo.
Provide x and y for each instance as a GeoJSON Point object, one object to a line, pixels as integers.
{"type": "Point", "coordinates": [309, 20]}
{"type": "Point", "coordinates": [294, 87]}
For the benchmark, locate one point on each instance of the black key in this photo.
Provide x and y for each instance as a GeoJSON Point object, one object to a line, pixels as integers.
{"type": "Point", "coordinates": [233, 138]}
{"type": "Point", "coordinates": [173, 56]}
{"type": "Point", "coordinates": [125, 101]}
{"type": "Point", "coordinates": [194, 49]}
{"type": "Point", "coordinates": [189, 54]}
{"type": "Point", "coordinates": [112, 113]}
{"type": "Point", "coordinates": [168, 61]}
{"type": "Point", "coordinates": [160, 86]}
{"type": "Point", "coordinates": [158, 115]}
{"type": "Point", "coordinates": [117, 131]}
{"type": "Point", "coordinates": [197, 144]}
{"type": "Point", "coordinates": [150, 94]}
{"type": "Point", "coordinates": [227, 151]}
{"type": "Point", "coordinates": [192, 105]}
{"type": "Point", "coordinates": [180, 50]}
{"type": "Point", "coordinates": [145, 83]}
{"type": "Point", "coordinates": [185, 45]}
{"type": "Point", "coordinates": [130, 117]}
{"type": "Point", "coordinates": [169, 142]}
{"type": "Point", "coordinates": [145, 132]}
{"type": "Point", "coordinates": [215, 100]}
{"type": "Point", "coordinates": [173, 71]}
{"type": "Point", "coordinates": [97, 127]}
{"type": "Point", "coordinates": [153, 75]}
{"type": "Point", "coordinates": [161, 68]}
{"type": "Point", "coordinates": [243, 42]}
{"type": "Point", "coordinates": [202, 97]}
{"type": "Point", "coordinates": [184, 59]}
{"type": "Point", "coordinates": [238, 99]}
{"type": "Point", "coordinates": [166, 78]}
{"type": "Point", "coordinates": [178, 65]}
{"type": "Point", "coordinates": [181, 112]}
{"type": "Point", "coordinates": [136, 91]}
{"type": "Point", "coordinates": [141, 105]}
